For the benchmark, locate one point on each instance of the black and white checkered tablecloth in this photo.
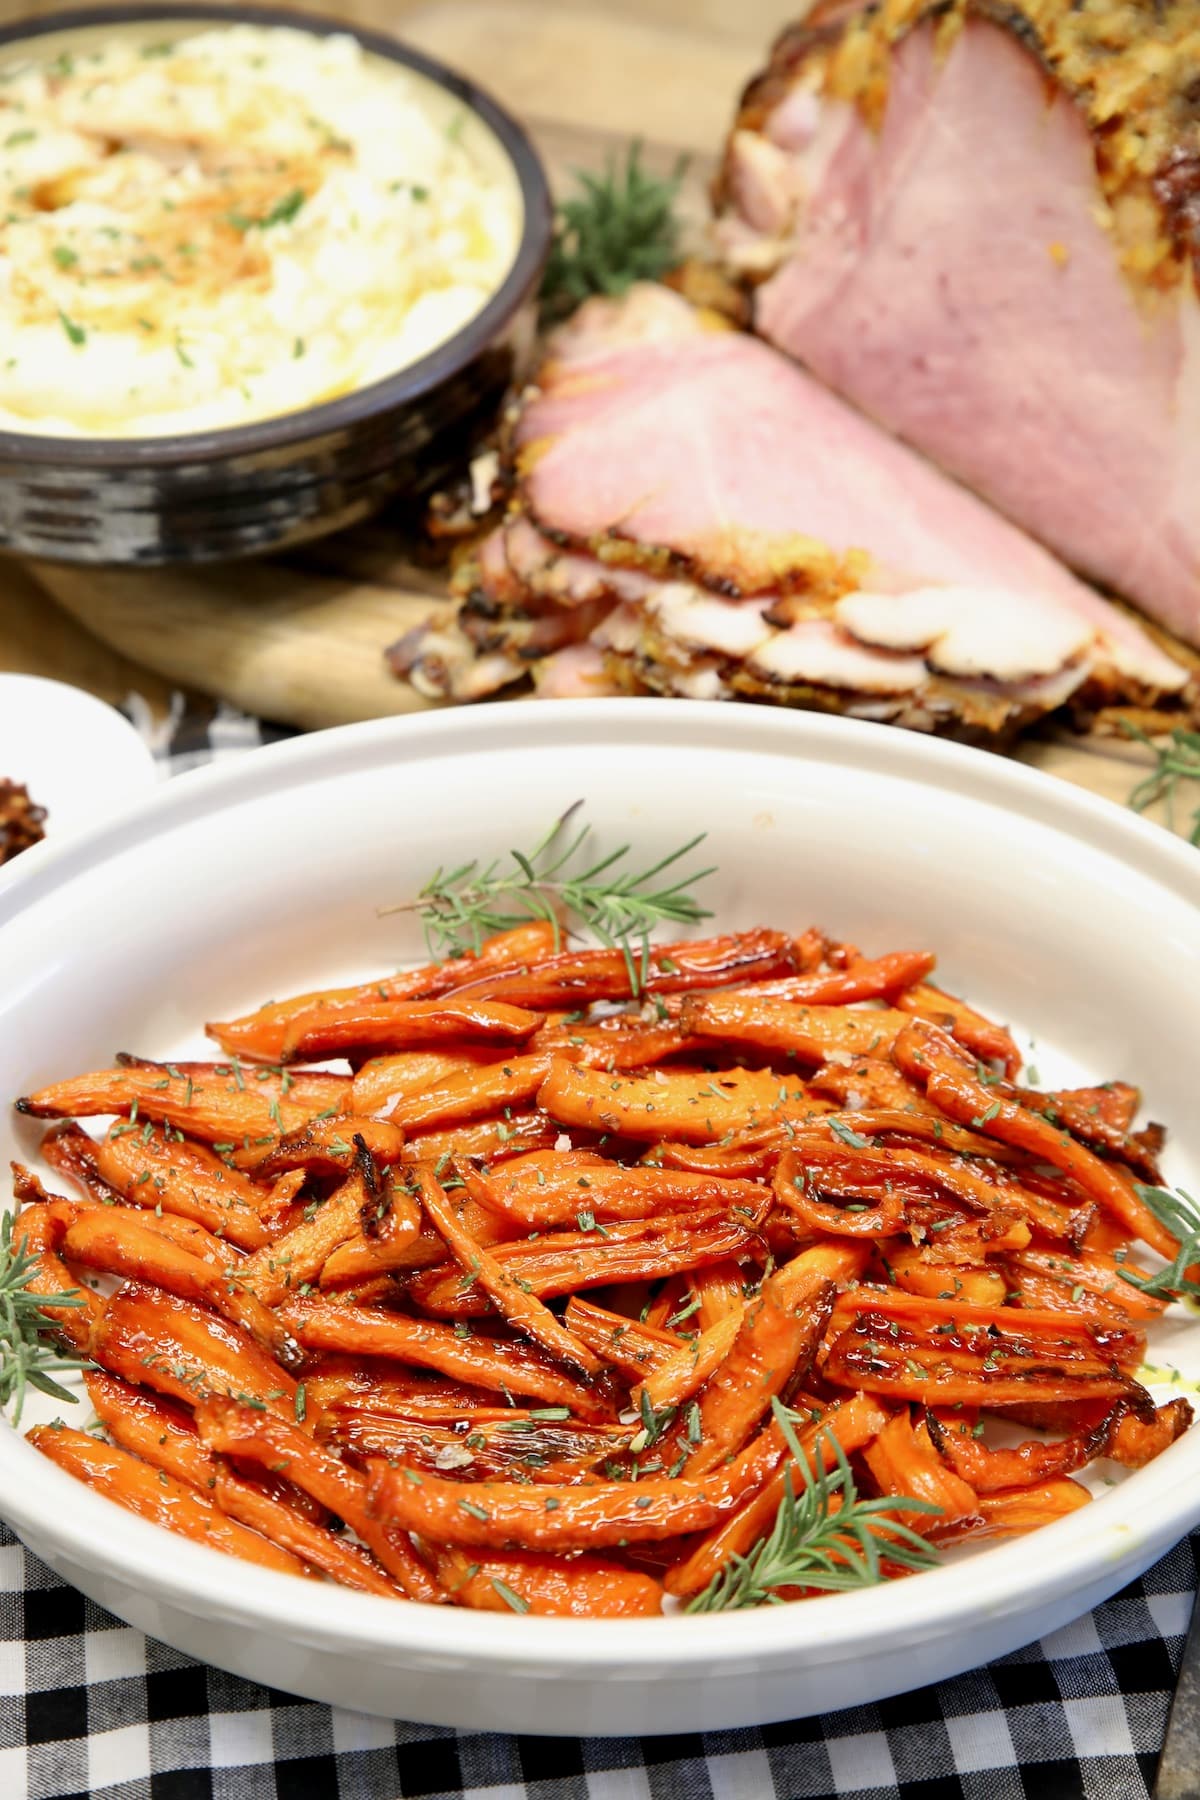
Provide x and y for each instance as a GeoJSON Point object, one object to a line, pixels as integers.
{"type": "Point", "coordinates": [90, 1707]}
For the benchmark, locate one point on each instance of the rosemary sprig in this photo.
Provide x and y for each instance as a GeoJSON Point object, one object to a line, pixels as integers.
{"type": "Point", "coordinates": [814, 1545]}
{"type": "Point", "coordinates": [619, 905]}
{"type": "Point", "coordinates": [620, 229]}
{"type": "Point", "coordinates": [26, 1360]}
{"type": "Point", "coordinates": [1175, 761]}
{"type": "Point", "coordinates": [1179, 1213]}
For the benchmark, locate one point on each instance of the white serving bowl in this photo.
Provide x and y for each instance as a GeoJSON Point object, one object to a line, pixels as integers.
{"type": "Point", "coordinates": [1054, 910]}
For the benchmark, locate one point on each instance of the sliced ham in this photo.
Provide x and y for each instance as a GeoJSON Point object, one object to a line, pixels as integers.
{"type": "Point", "coordinates": [981, 224]}
{"type": "Point", "coordinates": [696, 516]}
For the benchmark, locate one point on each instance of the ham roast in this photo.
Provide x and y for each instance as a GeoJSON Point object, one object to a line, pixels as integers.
{"type": "Point", "coordinates": [980, 222]}
{"type": "Point", "coordinates": [690, 513]}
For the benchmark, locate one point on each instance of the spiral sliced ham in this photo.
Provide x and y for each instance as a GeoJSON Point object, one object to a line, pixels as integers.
{"type": "Point", "coordinates": [692, 514]}
{"type": "Point", "coordinates": [979, 220]}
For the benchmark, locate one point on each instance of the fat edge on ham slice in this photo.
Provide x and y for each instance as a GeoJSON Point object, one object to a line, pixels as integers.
{"type": "Point", "coordinates": [693, 515]}
{"type": "Point", "coordinates": [981, 223]}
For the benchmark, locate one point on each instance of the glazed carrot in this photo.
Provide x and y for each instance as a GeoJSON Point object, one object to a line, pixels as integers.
{"type": "Point", "coordinates": [777, 1337]}
{"type": "Point", "coordinates": [155, 1495]}
{"type": "Point", "coordinates": [810, 1033]}
{"type": "Point", "coordinates": [564, 1262]}
{"type": "Point", "coordinates": [718, 1291]}
{"type": "Point", "coordinates": [518, 1444]}
{"type": "Point", "coordinates": [385, 1079]}
{"type": "Point", "coordinates": [494, 1139]}
{"type": "Point", "coordinates": [627, 1344]}
{"type": "Point", "coordinates": [147, 1168]}
{"type": "Point", "coordinates": [681, 1375]}
{"type": "Point", "coordinates": [511, 1294]}
{"type": "Point", "coordinates": [575, 978]}
{"type": "Point", "coordinates": [907, 1266]}
{"type": "Point", "coordinates": [990, 1469]}
{"type": "Point", "coordinates": [862, 979]}
{"type": "Point", "coordinates": [260, 1035]}
{"type": "Point", "coordinates": [578, 1587]}
{"type": "Point", "coordinates": [336, 1380]}
{"type": "Point", "coordinates": [1136, 1441]}
{"type": "Point", "coordinates": [486, 1362]}
{"type": "Point", "coordinates": [1089, 1279]}
{"type": "Point", "coordinates": [903, 1462]}
{"type": "Point", "coordinates": [626, 1041]}
{"type": "Point", "coordinates": [695, 1107]}
{"type": "Point", "coordinates": [327, 1147]}
{"type": "Point", "coordinates": [103, 1238]}
{"type": "Point", "coordinates": [795, 1188]}
{"type": "Point", "coordinates": [926, 1053]}
{"type": "Point", "coordinates": [177, 1348]}
{"type": "Point", "coordinates": [321, 1549]}
{"type": "Point", "coordinates": [472, 1094]}
{"type": "Point", "coordinates": [994, 1043]}
{"type": "Point", "coordinates": [300, 1255]}
{"type": "Point", "coordinates": [550, 1189]}
{"type": "Point", "coordinates": [1027, 1509]}
{"type": "Point", "coordinates": [852, 1422]}
{"type": "Point", "coordinates": [405, 1025]}
{"type": "Point", "coordinates": [39, 1232]}
{"type": "Point", "coordinates": [591, 1516]}
{"type": "Point", "coordinates": [236, 1430]}
{"type": "Point", "coordinates": [158, 1430]}
{"type": "Point", "coordinates": [201, 1100]}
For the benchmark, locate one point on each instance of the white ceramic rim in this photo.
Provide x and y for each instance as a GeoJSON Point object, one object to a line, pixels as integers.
{"type": "Point", "coordinates": [1128, 1525]}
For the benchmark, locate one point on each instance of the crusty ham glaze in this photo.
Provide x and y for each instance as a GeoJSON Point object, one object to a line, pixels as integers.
{"type": "Point", "coordinates": [691, 514]}
{"type": "Point", "coordinates": [981, 224]}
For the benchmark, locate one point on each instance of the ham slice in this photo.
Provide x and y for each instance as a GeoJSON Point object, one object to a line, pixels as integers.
{"type": "Point", "coordinates": [692, 514]}
{"type": "Point", "coordinates": [981, 224]}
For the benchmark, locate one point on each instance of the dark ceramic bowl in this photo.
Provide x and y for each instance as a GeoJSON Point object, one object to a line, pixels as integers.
{"type": "Point", "coordinates": [209, 495]}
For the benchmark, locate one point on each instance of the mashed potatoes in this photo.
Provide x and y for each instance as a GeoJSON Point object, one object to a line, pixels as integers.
{"type": "Point", "coordinates": [203, 230]}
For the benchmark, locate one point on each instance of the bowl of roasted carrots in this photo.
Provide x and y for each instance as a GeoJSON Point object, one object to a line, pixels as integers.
{"type": "Point", "coordinates": [628, 1219]}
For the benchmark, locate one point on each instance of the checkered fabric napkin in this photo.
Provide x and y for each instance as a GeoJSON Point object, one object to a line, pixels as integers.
{"type": "Point", "coordinates": [89, 1707]}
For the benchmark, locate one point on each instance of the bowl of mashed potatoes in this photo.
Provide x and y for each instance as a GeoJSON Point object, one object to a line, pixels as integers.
{"type": "Point", "coordinates": [258, 273]}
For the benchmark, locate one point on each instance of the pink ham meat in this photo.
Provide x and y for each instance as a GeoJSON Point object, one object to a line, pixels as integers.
{"type": "Point", "coordinates": [984, 230]}
{"type": "Point", "coordinates": [692, 514]}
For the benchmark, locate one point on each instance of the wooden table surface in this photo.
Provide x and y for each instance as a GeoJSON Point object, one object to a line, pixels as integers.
{"type": "Point", "coordinates": [301, 639]}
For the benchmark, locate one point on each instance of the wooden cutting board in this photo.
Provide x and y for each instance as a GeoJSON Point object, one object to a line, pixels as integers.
{"type": "Point", "coordinates": [300, 639]}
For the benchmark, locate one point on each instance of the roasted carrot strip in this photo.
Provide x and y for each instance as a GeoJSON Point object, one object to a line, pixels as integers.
{"type": "Point", "coordinates": [1135, 1441]}
{"type": "Point", "coordinates": [101, 1238]}
{"type": "Point", "coordinates": [405, 1025]}
{"type": "Point", "coordinates": [551, 1189]}
{"type": "Point", "coordinates": [280, 1268]}
{"type": "Point", "coordinates": [39, 1232]}
{"type": "Point", "coordinates": [236, 1430]}
{"type": "Point", "coordinates": [158, 1430]}
{"type": "Point", "coordinates": [260, 1035]}
{"type": "Point", "coordinates": [518, 1445]}
{"type": "Point", "coordinates": [486, 1362]}
{"type": "Point", "coordinates": [148, 1168]}
{"type": "Point", "coordinates": [328, 1147]}
{"type": "Point", "coordinates": [201, 1100]}
{"type": "Point", "coordinates": [980, 1035]}
{"type": "Point", "coordinates": [1027, 1509]}
{"type": "Point", "coordinates": [991, 1469]}
{"type": "Point", "coordinates": [177, 1348]}
{"type": "Point", "coordinates": [1087, 1280]}
{"type": "Point", "coordinates": [564, 1262]}
{"type": "Point", "coordinates": [472, 1093]}
{"type": "Point", "coordinates": [579, 1587]}
{"type": "Point", "coordinates": [903, 1461]}
{"type": "Point", "coordinates": [155, 1495]}
{"type": "Point", "coordinates": [622, 1042]}
{"type": "Point", "coordinates": [718, 1291]}
{"type": "Point", "coordinates": [514, 1134]}
{"type": "Point", "coordinates": [385, 1079]}
{"type": "Point", "coordinates": [776, 1340]}
{"type": "Point", "coordinates": [907, 1267]}
{"type": "Point", "coordinates": [794, 1189]}
{"type": "Point", "coordinates": [852, 1422]}
{"type": "Point", "coordinates": [695, 1107]}
{"type": "Point", "coordinates": [595, 1515]}
{"type": "Point", "coordinates": [632, 1346]}
{"type": "Point", "coordinates": [811, 1033]}
{"type": "Point", "coordinates": [336, 1380]}
{"type": "Point", "coordinates": [511, 1294]}
{"type": "Point", "coordinates": [320, 1548]}
{"type": "Point", "coordinates": [684, 1373]}
{"type": "Point", "coordinates": [863, 979]}
{"type": "Point", "coordinates": [578, 977]}
{"type": "Point", "coordinates": [927, 1054]}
